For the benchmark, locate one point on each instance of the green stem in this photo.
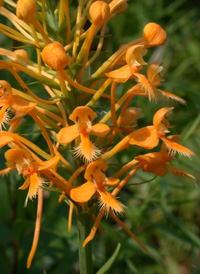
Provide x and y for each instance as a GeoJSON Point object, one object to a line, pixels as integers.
{"type": "Point", "coordinates": [85, 253]}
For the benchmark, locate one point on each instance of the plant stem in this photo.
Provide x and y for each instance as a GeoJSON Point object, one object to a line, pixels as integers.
{"type": "Point", "coordinates": [85, 253]}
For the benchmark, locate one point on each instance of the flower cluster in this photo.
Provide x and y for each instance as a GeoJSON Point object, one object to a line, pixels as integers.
{"type": "Point", "coordinates": [81, 134]}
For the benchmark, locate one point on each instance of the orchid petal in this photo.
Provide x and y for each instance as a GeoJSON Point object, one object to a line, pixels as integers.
{"type": "Point", "coordinates": [180, 172]}
{"type": "Point", "coordinates": [100, 130]}
{"type": "Point", "coordinates": [34, 185]}
{"type": "Point", "coordinates": [107, 202]}
{"type": "Point", "coordinates": [92, 167]}
{"type": "Point", "coordinates": [172, 96]}
{"type": "Point", "coordinates": [174, 147]}
{"type": "Point", "coordinates": [153, 74]}
{"type": "Point", "coordinates": [67, 134]}
{"type": "Point", "coordinates": [159, 169]}
{"type": "Point", "coordinates": [146, 86]}
{"type": "Point", "coordinates": [160, 121]}
{"type": "Point", "coordinates": [83, 113]}
{"type": "Point", "coordinates": [120, 75]}
{"type": "Point", "coordinates": [5, 139]}
{"type": "Point", "coordinates": [21, 105]}
{"type": "Point", "coordinates": [112, 182]}
{"type": "Point", "coordinates": [145, 137]}
{"type": "Point", "coordinates": [25, 184]}
{"type": "Point", "coordinates": [83, 193]}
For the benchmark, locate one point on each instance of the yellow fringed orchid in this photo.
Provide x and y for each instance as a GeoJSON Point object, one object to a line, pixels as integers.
{"type": "Point", "coordinates": [21, 159]}
{"type": "Point", "coordinates": [148, 137]}
{"type": "Point", "coordinates": [156, 162]}
{"type": "Point", "coordinates": [82, 117]}
{"type": "Point", "coordinates": [97, 181]}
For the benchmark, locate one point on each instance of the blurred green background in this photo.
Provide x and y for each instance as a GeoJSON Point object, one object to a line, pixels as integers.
{"type": "Point", "coordinates": [164, 213]}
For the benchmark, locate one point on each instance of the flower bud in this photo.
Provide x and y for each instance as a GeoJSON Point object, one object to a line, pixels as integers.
{"type": "Point", "coordinates": [99, 12]}
{"type": "Point", "coordinates": [131, 116]}
{"type": "Point", "coordinates": [26, 10]}
{"type": "Point", "coordinates": [54, 56]}
{"type": "Point", "coordinates": [22, 53]}
{"type": "Point", "coordinates": [154, 35]}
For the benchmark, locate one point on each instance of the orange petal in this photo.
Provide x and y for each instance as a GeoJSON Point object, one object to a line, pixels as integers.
{"type": "Point", "coordinates": [174, 147]}
{"type": "Point", "coordinates": [172, 96]}
{"type": "Point", "coordinates": [107, 202]}
{"type": "Point", "coordinates": [151, 158]}
{"type": "Point", "coordinates": [157, 168]}
{"type": "Point", "coordinates": [99, 164]}
{"type": "Point", "coordinates": [5, 171]}
{"type": "Point", "coordinates": [83, 193]}
{"type": "Point", "coordinates": [120, 75]}
{"type": "Point", "coordinates": [134, 56]}
{"type": "Point", "coordinates": [164, 150]}
{"type": "Point", "coordinates": [21, 105]}
{"type": "Point", "coordinates": [67, 134]}
{"type": "Point", "coordinates": [100, 130]}
{"type": "Point", "coordinates": [146, 86]}
{"type": "Point", "coordinates": [153, 74]}
{"type": "Point", "coordinates": [4, 140]}
{"type": "Point", "coordinates": [25, 184]}
{"type": "Point", "coordinates": [160, 121]}
{"type": "Point", "coordinates": [145, 137]}
{"type": "Point", "coordinates": [34, 185]}
{"type": "Point", "coordinates": [86, 149]}
{"type": "Point", "coordinates": [83, 113]}
{"type": "Point", "coordinates": [180, 172]}
{"type": "Point", "coordinates": [112, 181]}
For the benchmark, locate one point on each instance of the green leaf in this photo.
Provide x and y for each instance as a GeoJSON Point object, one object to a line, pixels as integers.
{"type": "Point", "coordinates": [110, 261]}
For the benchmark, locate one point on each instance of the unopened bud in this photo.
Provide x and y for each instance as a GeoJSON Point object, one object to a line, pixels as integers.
{"type": "Point", "coordinates": [54, 56]}
{"type": "Point", "coordinates": [22, 53]}
{"type": "Point", "coordinates": [99, 12]}
{"type": "Point", "coordinates": [154, 35]}
{"type": "Point", "coordinates": [26, 10]}
{"type": "Point", "coordinates": [131, 116]}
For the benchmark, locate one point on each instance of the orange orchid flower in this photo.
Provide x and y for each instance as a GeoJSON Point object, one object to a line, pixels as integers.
{"type": "Point", "coordinates": [97, 181]}
{"type": "Point", "coordinates": [134, 63]}
{"type": "Point", "coordinates": [21, 159]}
{"type": "Point", "coordinates": [17, 104]}
{"type": "Point", "coordinates": [148, 137]}
{"type": "Point", "coordinates": [156, 162]}
{"type": "Point", "coordinates": [83, 116]}
{"type": "Point", "coordinates": [147, 86]}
